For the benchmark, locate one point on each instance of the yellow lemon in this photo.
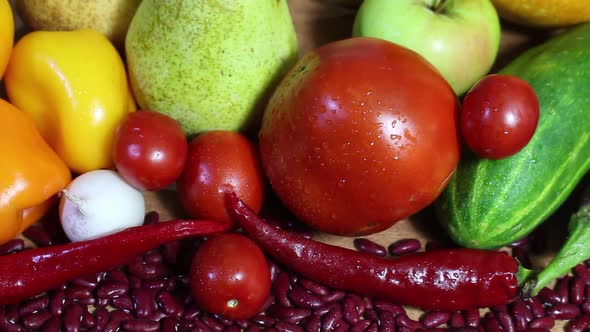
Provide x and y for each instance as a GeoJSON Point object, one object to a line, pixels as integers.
{"type": "Point", "coordinates": [544, 13]}
{"type": "Point", "coordinates": [6, 34]}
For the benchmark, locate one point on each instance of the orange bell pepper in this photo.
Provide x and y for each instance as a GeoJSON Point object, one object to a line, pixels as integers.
{"type": "Point", "coordinates": [31, 173]}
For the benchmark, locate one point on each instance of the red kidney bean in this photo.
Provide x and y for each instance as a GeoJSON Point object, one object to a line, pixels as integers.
{"type": "Point", "coordinates": [370, 247]}
{"type": "Point", "coordinates": [102, 302]}
{"type": "Point", "coordinates": [542, 322]}
{"type": "Point", "coordinates": [314, 287]}
{"type": "Point", "coordinates": [404, 321]}
{"type": "Point", "coordinates": [576, 291]}
{"type": "Point", "coordinates": [499, 308]}
{"type": "Point", "coordinates": [8, 326]}
{"type": "Point", "coordinates": [14, 245]}
{"type": "Point", "coordinates": [396, 309]}
{"type": "Point", "coordinates": [87, 281]}
{"type": "Point", "coordinates": [521, 254]}
{"type": "Point", "coordinates": [520, 242]}
{"type": "Point", "coordinates": [578, 324]}
{"type": "Point", "coordinates": [563, 311]}
{"type": "Point", "coordinates": [456, 320]}
{"type": "Point", "coordinates": [490, 323]}
{"type": "Point", "coordinates": [404, 246]}
{"type": "Point", "coordinates": [264, 320]}
{"type": "Point", "coordinates": [302, 298]}
{"type": "Point", "coordinates": [537, 329]}
{"type": "Point", "coordinates": [332, 319]}
{"type": "Point", "coordinates": [386, 321]}
{"type": "Point", "coordinates": [32, 305]}
{"type": "Point", "coordinates": [168, 324]}
{"type": "Point", "coordinates": [155, 283]}
{"type": "Point", "coordinates": [537, 308]}
{"type": "Point", "coordinates": [145, 301]}
{"type": "Point", "coordinates": [319, 312]}
{"type": "Point", "coordinates": [73, 317]}
{"type": "Point", "coordinates": [562, 288]}
{"type": "Point", "coordinates": [585, 306]}
{"type": "Point", "coordinates": [281, 286]}
{"type": "Point", "coordinates": [191, 312]}
{"type": "Point", "coordinates": [314, 324]}
{"type": "Point", "coordinates": [374, 327]}
{"type": "Point", "coordinates": [114, 323]}
{"type": "Point", "coordinates": [549, 295]}
{"type": "Point", "coordinates": [170, 304]}
{"type": "Point", "coordinates": [140, 325]}
{"type": "Point", "coordinates": [506, 321]}
{"type": "Point", "coordinates": [35, 320]}
{"type": "Point", "coordinates": [334, 296]}
{"type": "Point", "coordinates": [282, 326]}
{"type": "Point", "coordinates": [253, 328]}
{"type": "Point", "coordinates": [581, 271]}
{"type": "Point", "coordinates": [88, 319]}
{"type": "Point", "coordinates": [435, 318]}
{"type": "Point", "coordinates": [151, 217]}
{"type": "Point", "coordinates": [465, 329]}
{"type": "Point", "coordinates": [350, 310]}
{"type": "Point", "coordinates": [289, 314]}
{"type": "Point", "coordinates": [212, 323]}
{"type": "Point", "coordinates": [471, 317]}
{"type": "Point", "coordinates": [11, 312]}
{"type": "Point", "coordinates": [235, 328]}
{"type": "Point", "coordinates": [38, 236]}
{"type": "Point", "coordinates": [116, 275]}
{"type": "Point", "coordinates": [521, 313]}
{"type": "Point", "coordinates": [77, 293]}
{"type": "Point", "coordinates": [146, 270]}
{"type": "Point", "coordinates": [85, 301]}
{"type": "Point", "coordinates": [123, 302]}
{"type": "Point", "coordinates": [102, 318]}
{"type": "Point", "coordinates": [52, 325]}
{"type": "Point", "coordinates": [152, 257]}
{"type": "Point", "coordinates": [112, 289]}
{"type": "Point", "coordinates": [360, 325]}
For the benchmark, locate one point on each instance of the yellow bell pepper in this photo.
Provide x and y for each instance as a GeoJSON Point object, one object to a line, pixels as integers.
{"type": "Point", "coordinates": [6, 34]}
{"type": "Point", "coordinates": [31, 173]}
{"type": "Point", "coordinates": [74, 85]}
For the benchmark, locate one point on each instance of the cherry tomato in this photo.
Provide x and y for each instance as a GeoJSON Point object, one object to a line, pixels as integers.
{"type": "Point", "coordinates": [218, 161]}
{"type": "Point", "coordinates": [150, 150]}
{"type": "Point", "coordinates": [359, 135]}
{"type": "Point", "coordinates": [230, 276]}
{"type": "Point", "coordinates": [499, 117]}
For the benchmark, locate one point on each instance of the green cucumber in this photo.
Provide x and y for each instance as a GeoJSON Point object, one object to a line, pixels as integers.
{"type": "Point", "coordinates": [491, 203]}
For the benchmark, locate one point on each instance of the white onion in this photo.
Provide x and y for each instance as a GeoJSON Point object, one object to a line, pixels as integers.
{"type": "Point", "coordinates": [98, 203]}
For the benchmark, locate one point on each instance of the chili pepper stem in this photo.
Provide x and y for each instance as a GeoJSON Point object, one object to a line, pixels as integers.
{"type": "Point", "coordinates": [76, 202]}
{"type": "Point", "coordinates": [575, 250]}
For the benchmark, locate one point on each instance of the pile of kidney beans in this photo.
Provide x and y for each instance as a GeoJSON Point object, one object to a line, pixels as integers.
{"type": "Point", "coordinates": [151, 293]}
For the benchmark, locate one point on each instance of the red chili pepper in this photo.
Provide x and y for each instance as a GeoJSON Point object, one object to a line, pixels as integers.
{"type": "Point", "coordinates": [35, 271]}
{"type": "Point", "coordinates": [446, 279]}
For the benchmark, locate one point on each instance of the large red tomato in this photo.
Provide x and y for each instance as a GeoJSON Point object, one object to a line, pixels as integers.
{"type": "Point", "coordinates": [359, 135]}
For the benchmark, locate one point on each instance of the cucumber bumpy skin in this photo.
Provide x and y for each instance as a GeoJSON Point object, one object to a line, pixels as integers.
{"type": "Point", "coordinates": [491, 203]}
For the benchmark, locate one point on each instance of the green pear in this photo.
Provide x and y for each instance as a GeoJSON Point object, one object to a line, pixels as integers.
{"type": "Point", "coordinates": [210, 64]}
{"type": "Point", "coordinates": [110, 17]}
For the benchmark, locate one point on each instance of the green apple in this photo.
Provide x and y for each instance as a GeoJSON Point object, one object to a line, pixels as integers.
{"type": "Point", "coordinates": [460, 38]}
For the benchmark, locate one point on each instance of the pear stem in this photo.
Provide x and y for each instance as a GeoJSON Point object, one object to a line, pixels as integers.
{"type": "Point", "coordinates": [439, 6]}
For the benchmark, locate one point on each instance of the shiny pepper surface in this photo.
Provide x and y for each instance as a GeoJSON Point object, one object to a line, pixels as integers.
{"type": "Point", "coordinates": [74, 85]}
{"type": "Point", "coordinates": [31, 173]}
{"type": "Point", "coordinates": [6, 34]}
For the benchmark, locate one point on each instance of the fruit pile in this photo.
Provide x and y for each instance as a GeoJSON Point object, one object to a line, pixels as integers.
{"type": "Point", "coordinates": [216, 114]}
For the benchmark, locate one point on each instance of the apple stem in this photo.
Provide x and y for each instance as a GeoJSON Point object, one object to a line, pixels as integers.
{"type": "Point", "coordinates": [439, 6]}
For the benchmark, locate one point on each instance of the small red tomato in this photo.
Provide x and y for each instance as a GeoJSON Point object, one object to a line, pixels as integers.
{"type": "Point", "coordinates": [218, 161]}
{"type": "Point", "coordinates": [499, 117]}
{"type": "Point", "coordinates": [150, 150]}
{"type": "Point", "coordinates": [230, 276]}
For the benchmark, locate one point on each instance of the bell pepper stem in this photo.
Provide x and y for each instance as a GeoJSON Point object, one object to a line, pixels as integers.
{"type": "Point", "coordinates": [76, 202]}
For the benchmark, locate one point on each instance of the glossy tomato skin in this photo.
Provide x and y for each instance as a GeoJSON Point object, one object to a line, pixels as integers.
{"type": "Point", "coordinates": [499, 117]}
{"type": "Point", "coordinates": [230, 276]}
{"type": "Point", "coordinates": [359, 135]}
{"type": "Point", "coordinates": [218, 161]}
{"type": "Point", "coordinates": [150, 150]}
